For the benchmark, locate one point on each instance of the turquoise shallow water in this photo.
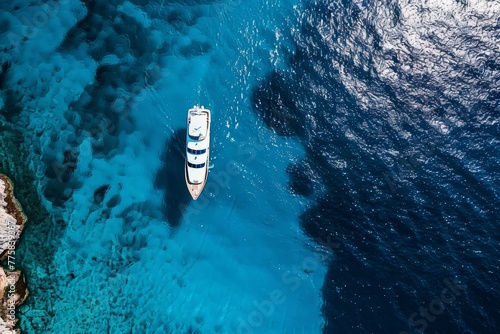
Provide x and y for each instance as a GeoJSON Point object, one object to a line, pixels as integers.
{"type": "Point", "coordinates": [355, 180]}
{"type": "Point", "coordinates": [135, 254]}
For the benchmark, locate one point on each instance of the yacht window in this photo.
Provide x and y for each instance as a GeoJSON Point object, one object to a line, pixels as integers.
{"type": "Point", "coordinates": [196, 165]}
{"type": "Point", "coordinates": [190, 150]}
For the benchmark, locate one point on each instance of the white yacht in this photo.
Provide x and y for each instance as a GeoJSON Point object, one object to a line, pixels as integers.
{"type": "Point", "coordinates": [197, 149]}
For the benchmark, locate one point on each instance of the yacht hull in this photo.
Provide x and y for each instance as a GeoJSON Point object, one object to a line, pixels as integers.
{"type": "Point", "coordinates": [197, 150]}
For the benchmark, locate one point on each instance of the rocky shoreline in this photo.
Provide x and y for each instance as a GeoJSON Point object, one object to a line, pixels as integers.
{"type": "Point", "coordinates": [12, 283]}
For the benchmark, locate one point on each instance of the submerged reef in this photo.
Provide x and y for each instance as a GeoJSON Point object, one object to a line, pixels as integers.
{"type": "Point", "coordinates": [12, 283]}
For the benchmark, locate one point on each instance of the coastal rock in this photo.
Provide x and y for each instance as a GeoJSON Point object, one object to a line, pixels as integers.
{"type": "Point", "coordinates": [12, 217]}
{"type": "Point", "coordinates": [15, 293]}
{"type": "Point", "coordinates": [12, 283]}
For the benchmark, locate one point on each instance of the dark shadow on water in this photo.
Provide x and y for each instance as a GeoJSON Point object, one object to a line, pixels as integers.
{"type": "Point", "coordinates": [170, 179]}
{"type": "Point", "coordinates": [274, 103]}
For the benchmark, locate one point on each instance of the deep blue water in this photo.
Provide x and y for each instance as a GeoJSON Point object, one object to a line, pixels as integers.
{"type": "Point", "coordinates": [355, 151]}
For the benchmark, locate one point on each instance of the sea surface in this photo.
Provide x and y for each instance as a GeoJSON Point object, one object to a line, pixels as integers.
{"type": "Point", "coordinates": [355, 161]}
